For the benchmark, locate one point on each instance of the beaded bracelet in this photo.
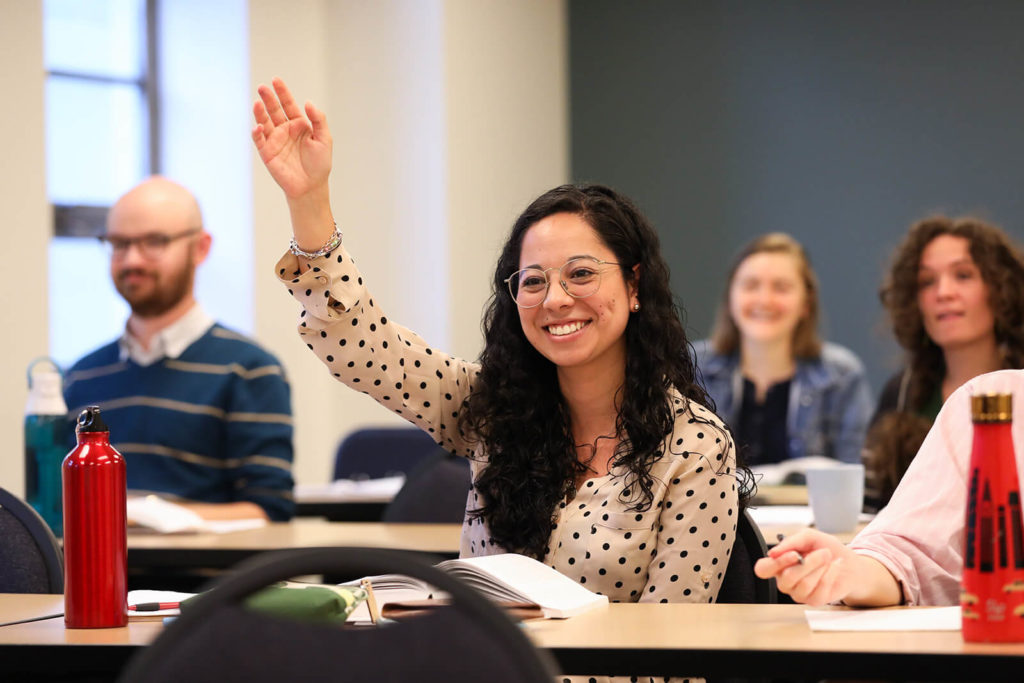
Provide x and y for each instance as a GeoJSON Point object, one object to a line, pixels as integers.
{"type": "Point", "coordinates": [331, 245]}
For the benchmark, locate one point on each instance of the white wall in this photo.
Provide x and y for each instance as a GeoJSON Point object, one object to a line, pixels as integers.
{"type": "Point", "coordinates": [447, 117]}
{"type": "Point", "coordinates": [26, 221]}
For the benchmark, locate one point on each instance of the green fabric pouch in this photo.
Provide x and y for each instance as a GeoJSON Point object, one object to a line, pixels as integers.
{"type": "Point", "coordinates": [305, 602]}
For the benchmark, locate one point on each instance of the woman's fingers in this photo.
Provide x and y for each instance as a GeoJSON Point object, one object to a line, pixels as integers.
{"type": "Point", "coordinates": [319, 121]}
{"type": "Point", "coordinates": [802, 581]}
{"type": "Point", "coordinates": [827, 588]}
{"type": "Point", "coordinates": [272, 104]}
{"type": "Point", "coordinates": [284, 96]}
{"type": "Point", "coordinates": [774, 564]}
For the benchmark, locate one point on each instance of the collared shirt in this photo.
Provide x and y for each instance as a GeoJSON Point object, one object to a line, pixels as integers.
{"type": "Point", "coordinates": [169, 342]}
{"type": "Point", "coordinates": [919, 536]}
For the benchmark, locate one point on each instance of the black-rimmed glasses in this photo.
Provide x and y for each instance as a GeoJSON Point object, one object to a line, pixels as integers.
{"type": "Point", "coordinates": [579, 277]}
{"type": "Point", "coordinates": [151, 245]}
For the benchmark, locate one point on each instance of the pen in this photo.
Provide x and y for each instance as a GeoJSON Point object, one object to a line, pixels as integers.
{"type": "Point", "coordinates": [154, 606]}
{"type": "Point", "coordinates": [799, 557]}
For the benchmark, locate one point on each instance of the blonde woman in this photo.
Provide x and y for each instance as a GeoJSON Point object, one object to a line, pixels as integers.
{"type": "Point", "coordinates": [784, 392]}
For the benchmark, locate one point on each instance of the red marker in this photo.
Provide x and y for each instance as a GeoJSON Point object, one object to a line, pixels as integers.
{"type": "Point", "coordinates": [154, 606]}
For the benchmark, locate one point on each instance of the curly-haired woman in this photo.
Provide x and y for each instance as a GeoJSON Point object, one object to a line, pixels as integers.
{"type": "Point", "coordinates": [955, 299]}
{"type": "Point", "coordinates": [784, 392]}
{"type": "Point", "coordinates": [591, 445]}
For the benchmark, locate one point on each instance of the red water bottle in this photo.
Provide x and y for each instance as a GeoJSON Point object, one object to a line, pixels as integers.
{"type": "Point", "coordinates": [992, 589]}
{"type": "Point", "coordinates": [95, 528]}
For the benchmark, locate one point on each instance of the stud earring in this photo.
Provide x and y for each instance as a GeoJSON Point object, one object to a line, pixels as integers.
{"type": "Point", "coordinates": [636, 306]}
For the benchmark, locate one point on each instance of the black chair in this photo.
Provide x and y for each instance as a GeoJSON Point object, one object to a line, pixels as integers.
{"type": "Point", "coordinates": [32, 560]}
{"type": "Point", "coordinates": [380, 452]}
{"type": "Point", "coordinates": [218, 639]}
{"type": "Point", "coordinates": [740, 584]}
{"type": "Point", "coordinates": [434, 491]}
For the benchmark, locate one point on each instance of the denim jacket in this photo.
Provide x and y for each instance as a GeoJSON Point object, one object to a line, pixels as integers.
{"type": "Point", "coordinates": [829, 400]}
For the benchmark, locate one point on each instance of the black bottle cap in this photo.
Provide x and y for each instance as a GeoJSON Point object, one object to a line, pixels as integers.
{"type": "Point", "coordinates": [89, 420]}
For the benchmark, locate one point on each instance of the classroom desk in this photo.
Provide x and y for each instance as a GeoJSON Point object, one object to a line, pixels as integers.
{"type": "Point", "coordinates": [662, 640]}
{"type": "Point", "coordinates": [780, 495]}
{"type": "Point", "coordinates": [345, 501]}
{"type": "Point", "coordinates": [220, 551]}
{"type": "Point", "coordinates": [371, 508]}
{"type": "Point", "coordinates": [341, 511]}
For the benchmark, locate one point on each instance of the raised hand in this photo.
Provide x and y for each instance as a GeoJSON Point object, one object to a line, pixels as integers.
{"type": "Point", "coordinates": [295, 147]}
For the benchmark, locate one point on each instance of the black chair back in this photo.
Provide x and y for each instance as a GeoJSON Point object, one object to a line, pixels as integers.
{"type": "Point", "coordinates": [740, 584]}
{"type": "Point", "coordinates": [380, 452]}
{"type": "Point", "coordinates": [435, 491]}
{"type": "Point", "coordinates": [32, 560]}
{"type": "Point", "coordinates": [217, 639]}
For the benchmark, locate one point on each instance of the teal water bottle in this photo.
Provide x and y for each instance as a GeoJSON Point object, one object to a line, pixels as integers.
{"type": "Point", "coordinates": [46, 441]}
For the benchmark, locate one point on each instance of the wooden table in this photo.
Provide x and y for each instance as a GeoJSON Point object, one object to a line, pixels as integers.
{"type": "Point", "coordinates": [678, 639]}
{"type": "Point", "coordinates": [780, 495]}
{"type": "Point", "coordinates": [220, 551]}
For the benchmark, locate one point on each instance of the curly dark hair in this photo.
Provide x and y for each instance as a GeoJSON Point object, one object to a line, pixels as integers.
{"type": "Point", "coordinates": [1002, 269]}
{"type": "Point", "coordinates": [516, 408]}
{"type": "Point", "coordinates": [894, 438]}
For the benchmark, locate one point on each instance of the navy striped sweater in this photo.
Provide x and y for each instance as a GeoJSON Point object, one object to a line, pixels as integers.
{"type": "Point", "coordinates": [213, 425]}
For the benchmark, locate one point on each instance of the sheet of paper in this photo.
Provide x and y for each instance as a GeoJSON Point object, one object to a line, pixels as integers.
{"type": "Point", "coordinates": [777, 515]}
{"type": "Point", "coordinates": [892, 619]}
{"type": "Point", "coordinates": [226, 526]}
{"type": "Point", "coordinates": [351, 491]}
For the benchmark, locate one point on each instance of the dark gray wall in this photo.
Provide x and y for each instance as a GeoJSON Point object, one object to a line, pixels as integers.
{"type": "Point", "coordinates": [838, 122]}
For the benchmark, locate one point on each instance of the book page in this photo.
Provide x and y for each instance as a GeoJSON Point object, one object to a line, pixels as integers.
{"type": "Point", "coordinates": [522, 579]}
{"type": "Point", "coordinates": [390, 588]}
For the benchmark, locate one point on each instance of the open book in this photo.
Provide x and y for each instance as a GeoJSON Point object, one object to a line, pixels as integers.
{"type": "Point", "coordinates": [503, 578]}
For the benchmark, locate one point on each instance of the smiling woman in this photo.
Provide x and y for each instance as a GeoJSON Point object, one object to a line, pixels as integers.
{"type": "Point", "coordinates": [785, 393]}
{"type": "Point", "coordinates": [590, 442]}
{"type": "Point", "coordinates": [955, 299]}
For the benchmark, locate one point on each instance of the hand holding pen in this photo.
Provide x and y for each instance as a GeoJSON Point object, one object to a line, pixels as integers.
{"type": "Point", "coordinates": [808, 566]}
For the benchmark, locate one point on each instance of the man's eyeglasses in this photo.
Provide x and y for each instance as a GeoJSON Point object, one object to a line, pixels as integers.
{"type": "Point", "coordinates": [579, 277]}
{"type": "Point", "coordinates": [151, 245]}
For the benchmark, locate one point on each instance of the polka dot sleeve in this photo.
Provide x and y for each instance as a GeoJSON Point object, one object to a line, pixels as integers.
{"type": "Point", "coordinates": [697, 520]}
{"type": "Point", "coordinates": [362, 348]}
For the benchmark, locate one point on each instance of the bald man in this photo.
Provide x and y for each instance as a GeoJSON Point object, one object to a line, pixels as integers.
{"type": "Point", "coordinates": [201, 414]}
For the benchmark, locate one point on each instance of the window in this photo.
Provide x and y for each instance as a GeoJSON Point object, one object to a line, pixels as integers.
{"type": "Point", "coordinates": [101, 139]}
{"type": "Point", "coordinates": [109, 62]}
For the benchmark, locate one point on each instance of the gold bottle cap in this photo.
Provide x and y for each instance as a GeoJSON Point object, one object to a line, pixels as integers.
{"type": "Point", "coordinates": [992, 408]}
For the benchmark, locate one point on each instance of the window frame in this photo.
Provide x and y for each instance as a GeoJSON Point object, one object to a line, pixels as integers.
{"type": "Point", "coordinates": [78, 220]}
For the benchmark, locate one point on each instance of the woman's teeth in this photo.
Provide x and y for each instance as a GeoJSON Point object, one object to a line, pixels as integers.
{"type": "Point", "coordinates": [568, 328]}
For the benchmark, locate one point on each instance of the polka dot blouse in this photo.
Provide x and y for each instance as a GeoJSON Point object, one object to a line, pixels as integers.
{"type": "Point", "coordinates": [676, 551]}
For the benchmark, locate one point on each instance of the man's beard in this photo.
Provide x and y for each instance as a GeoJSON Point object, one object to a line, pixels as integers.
{"type": "Point", "coordinates": [162, 296]}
